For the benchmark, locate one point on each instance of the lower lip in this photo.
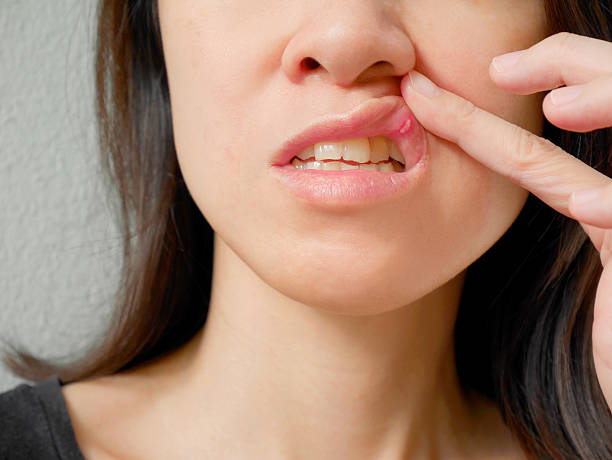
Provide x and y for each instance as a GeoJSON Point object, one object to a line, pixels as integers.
{"type": "Point", "coordinates": [353, 187]}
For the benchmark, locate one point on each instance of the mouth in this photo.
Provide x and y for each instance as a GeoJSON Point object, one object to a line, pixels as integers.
{"type": "Point", "coordinates": [380, 135]}
{"type": "Point", "coordinates": [376, 152]}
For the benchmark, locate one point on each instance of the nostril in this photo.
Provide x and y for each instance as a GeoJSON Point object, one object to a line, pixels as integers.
{"type": "Point", "coordinates": [310, 63]}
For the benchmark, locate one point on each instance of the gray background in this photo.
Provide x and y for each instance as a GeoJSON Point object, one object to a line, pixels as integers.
{"type": "Point", "coordinates": [59, 255]}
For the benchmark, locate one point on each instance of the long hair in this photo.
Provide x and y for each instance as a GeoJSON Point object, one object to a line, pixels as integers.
{"type": "Point", "coordinates": [523, 331]}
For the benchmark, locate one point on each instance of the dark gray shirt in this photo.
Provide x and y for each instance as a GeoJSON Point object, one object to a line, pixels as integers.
{"type": "Point", "coordinates": [35, 425]}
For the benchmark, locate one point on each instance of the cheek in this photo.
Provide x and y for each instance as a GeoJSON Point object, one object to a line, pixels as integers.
{"type": "Point", "coordinates": [485, 30]}
{"type": "Point", "coordinates": [210, 112]}
{"type": "Point", "coordinates": [476, 202]}
{"type": "Point", "coordinates": [217, 73]}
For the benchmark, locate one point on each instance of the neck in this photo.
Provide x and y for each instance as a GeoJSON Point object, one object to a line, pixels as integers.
{"type": "Point", "coordinates": [290, 378]}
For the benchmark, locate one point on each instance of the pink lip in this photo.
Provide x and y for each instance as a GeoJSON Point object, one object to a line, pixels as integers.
{"type": "Point", "coordinates": [386, 116]}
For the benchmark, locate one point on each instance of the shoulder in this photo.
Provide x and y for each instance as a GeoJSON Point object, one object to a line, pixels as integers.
{"type": "Point", "coordinates": [50, 420]}
{"type": "Point", "coordinates": [106, 413]}
{"type": "Point", "coordinates": [34, 424]}
{"type": "Point", "coordinates": [116, 416]}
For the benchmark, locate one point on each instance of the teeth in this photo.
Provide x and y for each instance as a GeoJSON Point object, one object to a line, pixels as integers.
{"type": "Point", "coordinates": [331, 166]}
{"type": "Point", "coordinates": [387, 166]}
{"type": "Point", "coordinates": [347, 167]}
{"type": "Point", "coordinates": [357, 150]}
{"type": "Point", "coordinates": [307, 153]}
{"type": "Point", "coordinates": [363, 150]}
{"type": "Point", "coordinates": [312, 164]}
{"type": "Point", "coordinates": [328, 150]}
{"type": "Point", "coordinates": [379, 149]}
{"type": "Point", "coordinates": [396, 154]}
{"type": "Point", "coordinates": [370, 167]}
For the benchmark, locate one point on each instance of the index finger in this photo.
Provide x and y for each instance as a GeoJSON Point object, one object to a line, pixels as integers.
{"type": "Point", "coordinates": [561, 59]}
{"type": "Point", "coordinates": [528, 160]}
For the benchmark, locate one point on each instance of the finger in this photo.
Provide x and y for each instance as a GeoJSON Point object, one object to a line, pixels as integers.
{"type": "Point", "coordinates": [561, 59]}
{"type": "Point", "coordinates": [593, 206]}
{"type": "Point", "coordinates": [528, 160]}
{"type": "Point", "coordinates": [596, 235]}
{"type": "Point", "coordinates": [581, 108]}
{"type": "Point", "coordinates": [602, 333]}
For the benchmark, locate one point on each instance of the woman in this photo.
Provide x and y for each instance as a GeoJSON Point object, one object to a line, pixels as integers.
{"type": "Point", "coordinates": [423, 306]}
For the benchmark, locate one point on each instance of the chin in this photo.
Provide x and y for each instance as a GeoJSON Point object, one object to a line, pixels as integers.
{"type": "Point", "coordinates": [355, 284]}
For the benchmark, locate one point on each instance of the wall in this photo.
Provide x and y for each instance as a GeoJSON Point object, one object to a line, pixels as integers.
{"type": "Point", "coordinates": [59, 250]}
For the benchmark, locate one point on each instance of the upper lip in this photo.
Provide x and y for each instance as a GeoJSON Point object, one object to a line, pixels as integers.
{"type": "Point", "coordinates": [383, 116]}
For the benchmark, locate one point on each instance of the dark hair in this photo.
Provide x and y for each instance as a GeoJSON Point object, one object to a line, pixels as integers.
{"type": "Point", "coordinates": [523, 332]}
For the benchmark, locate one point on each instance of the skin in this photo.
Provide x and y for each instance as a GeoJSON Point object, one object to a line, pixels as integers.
{"type": "Point", "coordinates": [322, 340]}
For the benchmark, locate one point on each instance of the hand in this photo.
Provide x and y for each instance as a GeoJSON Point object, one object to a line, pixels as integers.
{"type": "Point", "coordinates": [562, 181]}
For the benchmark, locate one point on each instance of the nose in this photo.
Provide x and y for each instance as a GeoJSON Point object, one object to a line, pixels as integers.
{"type": "Point", "coordinates": [349, 41]}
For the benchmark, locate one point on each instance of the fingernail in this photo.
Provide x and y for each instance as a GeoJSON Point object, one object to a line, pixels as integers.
{"type": "Point", "coordinates": [423, 85]}
{"type": "Point", "coordinates": [506, 62]}
{"type": "Point", "coordinates": [587, 197]}
{"type": "Point", "coordinates": [565, 95]}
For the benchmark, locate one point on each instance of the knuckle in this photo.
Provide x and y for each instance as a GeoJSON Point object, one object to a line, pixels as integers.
{"type": "Point", "coordinates": [556, 46]}
{"type": "Point", "coordinates": [528, 153]}
{"type": "Point", "coordinates": [563, 42]}
{"type": "Point", "coordinates": [465, 112]}
{"type": "Point", "coordinates": [562, 37]}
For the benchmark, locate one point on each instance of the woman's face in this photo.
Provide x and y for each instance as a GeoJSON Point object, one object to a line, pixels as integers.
{"type": "Point", "coordinates": [239, 90]}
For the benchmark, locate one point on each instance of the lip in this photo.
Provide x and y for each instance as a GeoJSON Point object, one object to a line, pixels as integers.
{"type": "Point", "coordinates": [385, 116]}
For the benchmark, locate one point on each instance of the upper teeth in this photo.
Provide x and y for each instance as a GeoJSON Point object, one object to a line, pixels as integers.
{"type": "Point", "coordinates": [363, 150]}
